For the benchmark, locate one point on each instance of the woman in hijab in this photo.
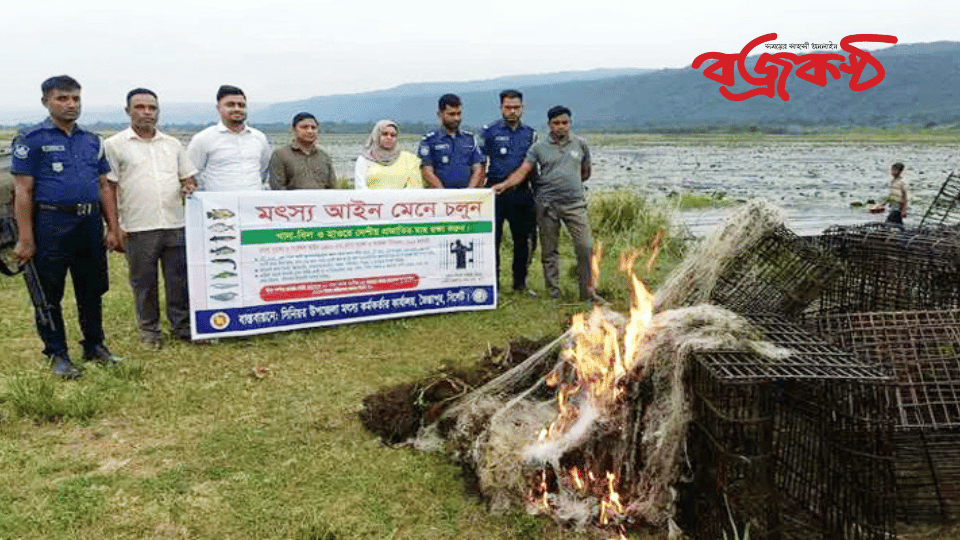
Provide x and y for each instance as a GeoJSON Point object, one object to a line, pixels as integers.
{"type": "Point", "coordinates": [382, 165]}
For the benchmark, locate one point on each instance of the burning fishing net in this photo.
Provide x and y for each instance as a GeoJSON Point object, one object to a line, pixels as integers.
{"type": "Point", "coordinates": [595, 433]}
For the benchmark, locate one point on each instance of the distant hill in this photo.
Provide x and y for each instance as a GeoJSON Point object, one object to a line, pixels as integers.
{"type": "Point", "coordinates": [920, 87]}
{"type": "Point", "coordinates": [417, 102]}
{"type": "Point", "coordinates": [362, 108]}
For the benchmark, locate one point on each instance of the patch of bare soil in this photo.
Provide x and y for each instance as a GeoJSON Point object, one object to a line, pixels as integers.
{"type": "Point", "coordinates": [396, 413]}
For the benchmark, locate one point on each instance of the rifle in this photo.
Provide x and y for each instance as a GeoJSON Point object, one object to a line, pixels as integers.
{"type": "Point", "coordinates": [8, 239]}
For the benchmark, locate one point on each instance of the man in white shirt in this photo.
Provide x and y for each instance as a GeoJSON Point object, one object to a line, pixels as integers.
{"type": "Point", "coordinates": [149, 175]}
{"type": "Point", "coordinates": [230, 156]}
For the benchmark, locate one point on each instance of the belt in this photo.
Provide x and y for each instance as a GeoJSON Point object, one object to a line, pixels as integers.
{"type": "Point", "coordinates": [80, 209]}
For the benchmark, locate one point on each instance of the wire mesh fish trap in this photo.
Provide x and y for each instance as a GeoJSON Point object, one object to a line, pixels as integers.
{"type": "Point", "coordinates": [921, 350]}
{"type": "Point", "coordinates": [797, 448]}
{"type": "Point", "coordinates": [779, 274]}
{"type": "Point", "coordinates": [944, 211]}
{"type": "Point", "coordinates": [886, 268]}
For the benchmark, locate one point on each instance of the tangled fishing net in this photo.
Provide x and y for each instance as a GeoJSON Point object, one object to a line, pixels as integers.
{"type": "Point", "coordinates": [591, 428]}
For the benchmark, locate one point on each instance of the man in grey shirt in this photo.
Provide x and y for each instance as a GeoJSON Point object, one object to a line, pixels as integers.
{"type": "Point", "coordinates": [564, 163]}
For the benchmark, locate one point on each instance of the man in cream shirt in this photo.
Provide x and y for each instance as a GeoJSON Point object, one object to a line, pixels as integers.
{"type": "Point", "coordinates": [230, 156]}
{"type": "Point", "coordinates": [149, 175]}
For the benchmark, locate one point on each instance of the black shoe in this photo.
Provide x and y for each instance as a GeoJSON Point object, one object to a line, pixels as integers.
{"type": "Point", "coordinates": [64, 368]}
{"type": "Point", "coordinates": [101, 355]}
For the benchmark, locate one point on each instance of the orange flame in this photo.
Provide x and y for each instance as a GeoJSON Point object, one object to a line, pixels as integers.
{"type": "Point", "coordinates": [595, 259]}
{"type": "Point", "coordinates": [575, 478]}
{"type": "Point", "coordinates": [553, 379]}
{"type": "Point", "coordinates": [596, 354]}
{"type": "Point", "coordinates": [544, 502]}
{"type": "Point", "coordinates": [610, 507]}
{"type": "Point", "coordinates": [599, 364]}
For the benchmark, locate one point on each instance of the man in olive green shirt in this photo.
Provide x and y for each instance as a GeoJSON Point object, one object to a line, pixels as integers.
{"type": "Point", "coordinates": [300, 164]}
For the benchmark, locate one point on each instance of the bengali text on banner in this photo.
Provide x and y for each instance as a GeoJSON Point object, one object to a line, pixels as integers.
{"type": "Point", "coordinates": [267, 261]}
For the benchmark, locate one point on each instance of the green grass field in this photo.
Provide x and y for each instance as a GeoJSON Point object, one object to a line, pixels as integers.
{"type": "Point", "coordinates": [188, 443]}
{"type": "Point", "coordinates": [192, 443]}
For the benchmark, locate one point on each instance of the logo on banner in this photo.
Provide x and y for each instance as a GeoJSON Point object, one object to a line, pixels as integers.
{"type": "Point", "coordinates": [479, 296]}
{"type": "Point", "coordinates": [219, 320]}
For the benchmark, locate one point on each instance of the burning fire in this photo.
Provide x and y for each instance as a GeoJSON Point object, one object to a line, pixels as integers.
{"type": "Point", "coordinates": [592, 374]}
{"type": "Point", "coordinates": [598, 361]}
{"type": "Point", "coordinates": [610, 507]}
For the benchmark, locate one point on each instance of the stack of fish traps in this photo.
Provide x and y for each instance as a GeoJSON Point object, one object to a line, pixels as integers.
{"type": "Point", "coordinates": [857, 429]}
{"type": "Point", "coordinates": [888, 268]}
{"type": "Point", "coordinates": [944, 211]}
{"type": "Point", "coordinates": [800, 448]}
{"type": "Point", "coordinates": [921, 350]}
{"type": "Point", "coordinates": [895, 306]}
{"type": "Point", "coordinates": [795, 448]}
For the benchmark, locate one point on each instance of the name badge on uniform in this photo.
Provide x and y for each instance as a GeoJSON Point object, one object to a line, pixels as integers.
{"type": "Point", "coordinates": [57, 167]}
{"type": "Point", "coordinates": [444, 159]}
{"type": "Point", "coordinates": [53, 148]}
{"type": "Point", "coordinates": [503, 150]}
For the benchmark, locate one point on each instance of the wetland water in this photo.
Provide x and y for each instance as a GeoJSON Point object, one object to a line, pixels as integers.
{"type": "Point", "coordinates": [815, 182]}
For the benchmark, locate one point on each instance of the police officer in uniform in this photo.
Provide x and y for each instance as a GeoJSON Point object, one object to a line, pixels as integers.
{"type": "Point", "coordinates": [450, 157]}
{"type": "Point", "coordinates": [505, 144]}
{"type": "Point", "coordinates": [61, 191]}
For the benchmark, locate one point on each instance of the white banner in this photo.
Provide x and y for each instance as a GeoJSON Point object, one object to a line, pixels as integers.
{"type": "Point", "coordinates": [264, 261]}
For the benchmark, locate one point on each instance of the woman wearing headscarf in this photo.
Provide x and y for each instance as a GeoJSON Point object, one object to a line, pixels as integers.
{"type": "Point", "coordinates": [382, 165]}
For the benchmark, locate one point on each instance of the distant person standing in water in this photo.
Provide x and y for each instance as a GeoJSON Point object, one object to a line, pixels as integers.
{"type": "Point", "coordinates": [897, 198]}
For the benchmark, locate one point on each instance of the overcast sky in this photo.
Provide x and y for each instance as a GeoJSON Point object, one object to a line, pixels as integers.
{"type": "Point", "coordinates": [280, 51]}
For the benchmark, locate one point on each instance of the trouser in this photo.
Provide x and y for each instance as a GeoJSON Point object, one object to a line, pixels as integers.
{"type": "Point", "coordinates": [145, 250]}
{"type": "Point", "coordinates": [574, 217]}
{"type": "Point", "coordinates": [516, 207]}
{"type": "Point", "coordinates": [75, 243]}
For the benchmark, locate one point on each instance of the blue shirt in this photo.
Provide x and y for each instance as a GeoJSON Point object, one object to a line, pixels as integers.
{"type": "Point", "coordinates": [505, 148]}
{"type": "Point", "coordinates": [65, 168]}
{"type": "Point", "coordinates": [450, 157]}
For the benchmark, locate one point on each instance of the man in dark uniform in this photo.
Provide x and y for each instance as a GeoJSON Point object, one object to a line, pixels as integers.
{"type": "Point", "coordinates": [61, 190]}
{"type": "Point", "coordinates": [449, 157]}
{"type": "Point", "coordinates": [505, 144]}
